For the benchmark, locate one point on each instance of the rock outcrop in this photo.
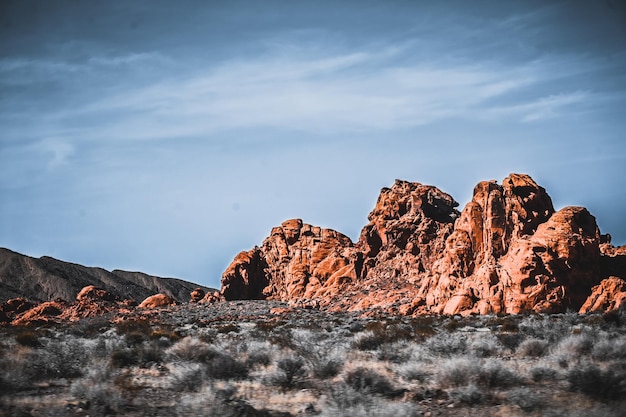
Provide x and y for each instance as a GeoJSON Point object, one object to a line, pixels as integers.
{"type": "Point", "coordinates": [508, 251]}
{"type": "Point", "coordinates": [157, 300]}
{"type": "Point", "coordinates": [609, 295]}
{"type": "Point", "coordinates": [196, 295]}
{"type": "Point", "coordinates": [296, 261]}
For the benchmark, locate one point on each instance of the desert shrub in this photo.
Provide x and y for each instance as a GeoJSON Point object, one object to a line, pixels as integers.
{"type": "Point", "coordinates": [413, 372]}
{"type": "Point", "coordinates": [494, 375]}
{"type": "Point", "coordinates": [510, 340]}
{"type": "Point", "coordinates": [526, 399]}
{"type": "Point", "coordinates": [343, 397]}
{"type": "Point", "coordinates": [90, 326]}
{"type": "Point", "coordinates": [258, 358]}
{"type": "Point", "coordinates": [396, 352]}
{"type": "Point", "coordinates": [28, 338]}
{"type": "Point", "coordinates": [549, 328]}
{"type": "Point", "coordinates": [504, 323]}
{"type": "Point", "coordinates": [228, 328]}
{"type": "Point", "coordinates": [192, 348]}
{"type": "Point", "coordinates": [485, 346]}
{"type": "Point", "coordinates": [225, 366]}
{"type": "Point", "coordinates": [369, 340]}
{"type": "Point", "coordinates": [469, 394]}
{"type": "Point", "coordinates": [456, 372]}
{"type": "Point", "coordinates": [608, 349]}
{"type": "Point", "coordinates": [124, 357]}
{"type": "Point", "coordinates": [326, 367]}
{"type": "Point", "coordinates": [370, 381]}
{"type": "Point", "coordinates": [269, 325]}
{"type": "Point", "coordinates": [209, 401]}
{"type": "Point", "coordinates": [540, 373]}
{"type": "Point", "coordinates": [15, 374]}
{"type": "Point", "coordinates": [375, 407]}
{"type": "Point", "coordinates": [186, 377]}
{"type": "Point", "coordinates": [598, 383]}
{"type": "Point", "coordinates": [134, 330]}
{"type": "Point", "coordinates": [291, 370]}
{"type": "Point", "coordinates": [258, 353]}
{"type": "Point", "coordinates": [572, 349]}
{"type": "Point", "coordinates": [533, 348]}
{"type": "Point", "coordinates": [423, 327]}
{"type": "Point", "coordinates": [61, 359]}
{"type": "Point", "coordinates": [282, 338]}
{"type": "Point", "coordinates": [447, 345]}
{"type": "Point", "coordinates": [100, 396]}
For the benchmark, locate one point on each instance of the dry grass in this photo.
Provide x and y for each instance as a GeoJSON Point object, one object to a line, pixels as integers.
{"type": "Point", "coordinates": [313, 363]}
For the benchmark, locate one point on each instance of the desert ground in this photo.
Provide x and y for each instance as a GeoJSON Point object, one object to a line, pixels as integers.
{"type": "Point", "coordinates": [261, 358]}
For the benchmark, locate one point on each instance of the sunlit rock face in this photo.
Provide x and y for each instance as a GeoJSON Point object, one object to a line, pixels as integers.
{"type": "Point", "coordinates": [507, 251]}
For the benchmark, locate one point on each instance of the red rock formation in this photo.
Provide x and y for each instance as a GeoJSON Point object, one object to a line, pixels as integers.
{"type": "Point", "coordinates": [196, 295]}
{"type": "Point", "coordinates": [302, 261]}
{"type": "Point", "coordinates": [508, 251]}
{"type": "Point", "coordinates": [92, 293]}
{"type": "Point", "coordinates": [157, 300]}
{"type": "Point", "coordinates": [407, 230]}
{"type": "Point", "coordinates": [609, 295]}
{"type": "Point", "coordinates": [212, 297]}
{"type": "Point", "coordinates": [42, 313]}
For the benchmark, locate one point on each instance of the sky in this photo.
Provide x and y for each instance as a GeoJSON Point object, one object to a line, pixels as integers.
{"type": "Point", "coordinates": [165, 137]}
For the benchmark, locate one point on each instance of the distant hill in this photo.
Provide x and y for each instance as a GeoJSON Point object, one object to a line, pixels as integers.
{"type": "Point", "coordinates": [46, 278]}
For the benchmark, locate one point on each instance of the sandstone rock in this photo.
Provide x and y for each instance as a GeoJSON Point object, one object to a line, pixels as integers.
{"type": "Point", "coordinates": [296, 261]}
{"type": "Point", "coordinates": [609, 295]}
{"type": "Point", "coordinates": [245, 277]}
{"type": "Point", "coordinates": [211, 297]}
{"type": "Point", "coordinates": [15, 306]}
{"type": "Point", "coordinates": [92, 293]}
{"type": "Point", "coordinates": [157, 300]}
{"type": "Point", "coordinates": [510, 253]}
{"type": "Point", "coordinates": [196, 295]}
{"type": "Point", "coordinates": [42, 313]}
{"type": "Point", "coordinates": [506, 252]}
{"type": "Point", "coordinates": [409, 220]}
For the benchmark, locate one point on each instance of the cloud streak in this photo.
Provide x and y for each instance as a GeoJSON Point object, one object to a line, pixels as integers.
{"type": "Point", "coordinates": [348, 92]}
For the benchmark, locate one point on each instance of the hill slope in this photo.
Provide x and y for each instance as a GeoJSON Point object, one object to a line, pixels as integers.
{"type": "Point", "coordinates": [46, 278]}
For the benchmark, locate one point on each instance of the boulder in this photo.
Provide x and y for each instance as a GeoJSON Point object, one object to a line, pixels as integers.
{"type": "Point", "coordinates": [607, 296]}
{"type": "Point", "coordinates": [211, 297]}
{"type": "Point", "coordinates": [92, 293]}
{"type": "Point", "coordinates": [157, 300]}
{"type": "Point", "coordinates": [45, 312]}
{"type": "Point", "coordinates": [196, 295]}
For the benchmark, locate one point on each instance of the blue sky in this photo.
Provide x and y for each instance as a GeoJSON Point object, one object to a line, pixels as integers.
{"type": "Point", "coordinates": [166, 137]}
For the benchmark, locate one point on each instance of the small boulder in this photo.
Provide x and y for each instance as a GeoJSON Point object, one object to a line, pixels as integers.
{"type": "Point", "coordinates": [211, 297]}
{"type": "Point", "coordinates": [197, 295]}
{"type": "Point", "coordinates": [93, 293]}
{"type": "Point", "coordinates": [157, 300]}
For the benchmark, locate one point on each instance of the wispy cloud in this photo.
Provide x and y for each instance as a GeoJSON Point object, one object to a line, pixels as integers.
{"type": "Point", "coordinates": [341, 92]}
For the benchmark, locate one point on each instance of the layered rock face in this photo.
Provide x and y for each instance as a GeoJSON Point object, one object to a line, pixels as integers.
{"type": "Point", "coordinates": [506, 252]}
{"type": "Point", "coordinates": [297, 261]}
{"type": "Point", "coordinates": [511, 253]}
